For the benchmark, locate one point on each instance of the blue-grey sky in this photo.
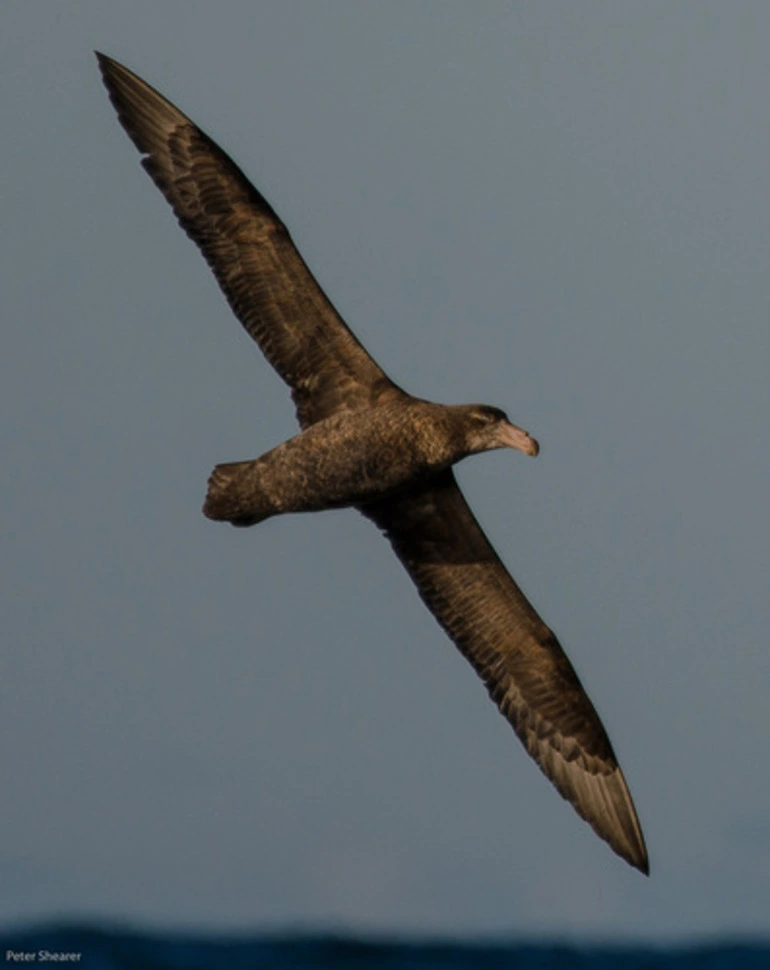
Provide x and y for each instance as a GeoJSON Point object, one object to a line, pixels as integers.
{"type": "Point", "coordinates": [561, 209]}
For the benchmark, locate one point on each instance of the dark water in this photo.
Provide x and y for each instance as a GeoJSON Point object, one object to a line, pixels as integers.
{"type": "Point", "coordinates": [102, 949]}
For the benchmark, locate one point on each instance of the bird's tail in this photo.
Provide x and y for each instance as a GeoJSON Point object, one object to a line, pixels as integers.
{"type": "Point", "coordinates": [232, 495]}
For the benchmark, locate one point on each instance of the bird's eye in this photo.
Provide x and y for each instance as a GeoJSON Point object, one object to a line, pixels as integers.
{"type": "Point", "coordinates": [487, 415]}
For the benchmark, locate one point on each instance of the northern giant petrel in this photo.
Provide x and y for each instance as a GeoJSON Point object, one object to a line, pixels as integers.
{"type": "Point", "coordinates": [366, 443]}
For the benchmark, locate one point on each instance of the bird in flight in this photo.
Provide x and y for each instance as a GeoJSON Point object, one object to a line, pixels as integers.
{"type": "Point", "coordinates": [367, 444]}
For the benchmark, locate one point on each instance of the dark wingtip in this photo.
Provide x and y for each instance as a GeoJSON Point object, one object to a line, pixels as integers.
{"type": "Point", "coordinates": [636, 857]}
{"type": "Point", "coordinates": [107, 66]}
{"type": "Point", "coordinates": [635, 854]}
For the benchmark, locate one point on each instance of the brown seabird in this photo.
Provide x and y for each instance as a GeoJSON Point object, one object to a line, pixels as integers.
{"type": "Point", "coordinates": [367, 444]}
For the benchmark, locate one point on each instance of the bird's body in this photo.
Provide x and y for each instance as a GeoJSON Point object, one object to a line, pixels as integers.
{"type": "Point", "coordinates": [368, 444]}
{"type": "Point", "coordinates": [352, 458]}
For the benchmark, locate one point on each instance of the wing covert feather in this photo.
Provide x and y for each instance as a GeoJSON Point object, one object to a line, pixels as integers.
{"type": "Point", "coordinates": [261, 273]}
{"type": "Point", "coordinates": [470, 592]}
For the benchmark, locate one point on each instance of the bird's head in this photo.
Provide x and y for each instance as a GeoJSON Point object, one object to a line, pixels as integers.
{"type": "Point", "coordinates": [487, 428]}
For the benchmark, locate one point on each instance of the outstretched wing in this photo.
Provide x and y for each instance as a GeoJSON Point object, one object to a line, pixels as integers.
{"type": "Point", "coordinates": [472, 595]}
{"type": "Point", "coordinates": [265, 280]}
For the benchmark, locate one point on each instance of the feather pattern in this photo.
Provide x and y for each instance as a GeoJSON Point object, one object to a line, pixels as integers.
{"type": "Point", "coordinates": [527, 674]}
{"type": "Point", "coordinates": [264, 278]}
